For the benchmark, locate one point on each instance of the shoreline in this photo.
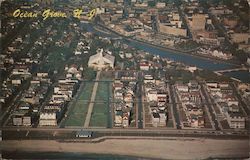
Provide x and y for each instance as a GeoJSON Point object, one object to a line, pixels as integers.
{"type": "Point", "coordinates": [181, 148]}
{"type": "Point", "coordinates": [173, 50]}
{"type": "Point", "coordinates": [234, 64]}
{"type": "Point", "coordinates": [67, 155]}
{"type": "Point", "coordinates": [185, 53]}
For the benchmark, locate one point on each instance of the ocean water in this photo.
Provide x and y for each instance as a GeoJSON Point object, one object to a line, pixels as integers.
{"type": "Point", "coordinates": [64, 156]}
{"type": "Point", "coordinates": [13, 155]}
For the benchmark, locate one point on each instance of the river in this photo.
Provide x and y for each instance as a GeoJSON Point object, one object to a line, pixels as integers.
{"type": "Point", "coordinates": [208, 64]}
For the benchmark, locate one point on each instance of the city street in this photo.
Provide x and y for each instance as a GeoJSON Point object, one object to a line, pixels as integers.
{"type": "Point", "coordinates": [70, 133]}
{"type": "Point", "coordinates": [173, 97]}
{"type": "Point", "coordinates": [216, 124]}
{"type": "Point", "coordinates": [139, 101]}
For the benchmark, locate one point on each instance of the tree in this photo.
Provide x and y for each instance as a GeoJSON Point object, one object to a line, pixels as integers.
{"type": "Point", "coordinates": [241, 56]}
{"type": "Point", "coordinates": [89, 74]}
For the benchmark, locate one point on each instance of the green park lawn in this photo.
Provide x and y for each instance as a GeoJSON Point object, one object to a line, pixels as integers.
{"type": "Point", "coordinates": [99, 115]}
{"type": "Point", "coordinates": [78, 110]}
{"type": "Point", "coordinates": [102, 93]}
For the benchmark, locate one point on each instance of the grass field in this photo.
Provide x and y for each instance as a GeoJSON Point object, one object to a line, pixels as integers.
{"type": "Point", "coordinates": [78, 110]}
{"type": "Point", "coordinates": [79, 107]}
{"type": "Point", "coordinates": [87, 91]}
{"type": "Point", "coordinates": [102, 93]}
{"type": "Point", "coordinates": [99, 117]}
{"type": "Point", "coordinates": [100, 114]}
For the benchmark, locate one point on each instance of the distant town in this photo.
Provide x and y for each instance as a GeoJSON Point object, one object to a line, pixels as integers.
{"type": "Point", "coordinates": [138, 67]}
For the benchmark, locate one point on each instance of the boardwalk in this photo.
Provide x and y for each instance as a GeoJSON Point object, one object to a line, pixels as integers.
{"type": "Point", "coordinates": [91, 105]}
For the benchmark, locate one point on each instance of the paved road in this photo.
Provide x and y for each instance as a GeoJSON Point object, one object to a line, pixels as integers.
{"type": "Point", "coordinates": [70, 133]}
{"type": "Point", "coordinates": [91, 105]}
{"type": "Point", "coordinates": [204, 101]}
{"type": "Point", "coordinates": [244, 106]}
{"type": "Point", "coordinates": [110, 107]}
{"type": "Point", "coordinates": [6, 116]}
{"type": "Point", "coordinates": [237, 94]}
{"type": "Point", "coordinates": [139, 104]}
{"type": "Point", "coordinates": [171, 105]}
{"type": "Point", "coordinates": [176, 113]}
{"type": "Point", "coordinates": [210, 107]}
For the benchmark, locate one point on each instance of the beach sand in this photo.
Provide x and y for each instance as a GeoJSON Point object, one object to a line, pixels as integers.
{"type": "Point", "coordinates": [180, 148]}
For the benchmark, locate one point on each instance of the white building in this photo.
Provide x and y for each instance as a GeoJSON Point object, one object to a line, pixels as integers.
{"type": "Point", "coordinates": [17, 121]}
{"type": "Point", "coordinates": [99, 61]}
{"type": "Point", "coordinates": [118, 120]}
{"type": "Point", "coordinates": [182, 88]}
{"type": "Point", "coordinates": [152, 95]}
{"type": "Point", "coordinates": [27, 121]}
{"type": "Point", "coordinates": [160, 5]}
{"type": "Point", "coordinates": [144, 66]}
{"type": "Point", "coordinates": [16, 81]}
{"type": "Point", "coordinates": [48, 119]}
{"type": "Point", "coordinates": [155, 119]}
{"type": "Point", "coordinates": [235, 120]}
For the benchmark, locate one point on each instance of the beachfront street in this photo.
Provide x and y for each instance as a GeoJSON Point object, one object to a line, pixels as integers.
{"type": "Point", "coordinates": [70, 133]}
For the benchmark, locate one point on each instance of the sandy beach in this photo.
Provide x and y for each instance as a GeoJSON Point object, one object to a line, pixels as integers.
{"type": "Point", "coordinates": [148, 148]}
